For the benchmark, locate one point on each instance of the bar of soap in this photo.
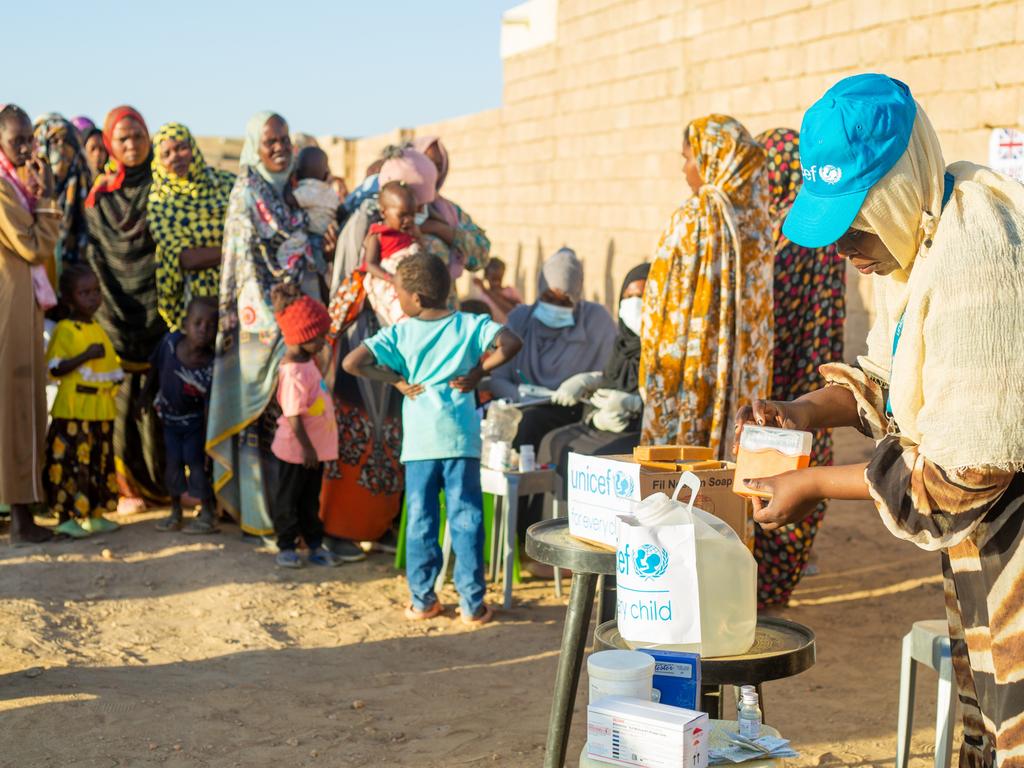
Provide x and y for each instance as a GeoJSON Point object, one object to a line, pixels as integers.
{"type": "Point", "coordinates": [700, 466]}
{"type": "Point", "coordinates": [645, 453]}
{"type": "Point", "coordinates": [769, 451]}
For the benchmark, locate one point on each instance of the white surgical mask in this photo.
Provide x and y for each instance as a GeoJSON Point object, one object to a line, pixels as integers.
{"type": "Point", "coordinates": [422, 215]}
{"type": "Point", "coordinates": [554, 316]}
{"type": "Point", "coordinates": [630, 311]}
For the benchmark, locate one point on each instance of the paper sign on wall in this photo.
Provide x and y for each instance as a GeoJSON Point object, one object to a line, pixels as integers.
{"type": "Point", "coordinates": [1006, 152]}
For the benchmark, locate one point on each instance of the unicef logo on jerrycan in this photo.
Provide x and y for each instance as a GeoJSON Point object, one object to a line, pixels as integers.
{"type": "Point", "coordinates": [639, 600]}
{"type": "Point", "coordinates": [650, 561]}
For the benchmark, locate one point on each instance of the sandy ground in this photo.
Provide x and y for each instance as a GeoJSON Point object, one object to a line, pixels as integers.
{"type": "Point", "coordinates": [179, 651]}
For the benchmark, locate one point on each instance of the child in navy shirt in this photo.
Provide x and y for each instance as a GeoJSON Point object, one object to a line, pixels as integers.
{"type": "Point", "coordinates": [181, 374]}
{"type": "Point", "coordinates": [436, 358]}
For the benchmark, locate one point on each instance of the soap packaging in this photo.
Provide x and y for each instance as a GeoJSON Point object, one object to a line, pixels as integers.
{"type": "Point", "coordinates": [769, 451]}
{"type": "Point", "coordinates": [603, 488]}
{"type": "Point", "coordinates": [634, 732]}
{"type": "Point", "coordinates": [676, 677]}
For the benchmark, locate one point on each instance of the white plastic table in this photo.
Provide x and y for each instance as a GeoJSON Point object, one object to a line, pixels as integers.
{"type": "Point", "coordinates": [507, 488]}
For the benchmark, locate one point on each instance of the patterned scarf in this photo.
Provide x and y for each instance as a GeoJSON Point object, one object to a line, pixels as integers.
{"type": "Point", "coordinates": [10, 174]}
{"type": "Point", "coordinates": [45, 296]}
{"type": "Point", "coordinates": [707, 327]}
{"type": "Point", "coordinates": [58, 143]}
{"type": "Point", "coordinates": [250, 156]}
{"type": "Point", "coordinates": [185, 212]}
{"type": "Point", "coordinates": [809, 284]}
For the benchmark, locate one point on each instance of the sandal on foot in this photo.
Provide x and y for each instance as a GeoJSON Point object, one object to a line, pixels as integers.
{"type": "Point", "coordinates": [412, 613]}
{"type": "Point", "coordinates": [170, 523]}
{"type": "Point", "coordinates": [99, 525]}
{"type": "Point", "coordinates": [72, 529]}
{"type": "Point", "coordinates": [484, 615]}
{"type": "Point", "coordinates": [128, 505]}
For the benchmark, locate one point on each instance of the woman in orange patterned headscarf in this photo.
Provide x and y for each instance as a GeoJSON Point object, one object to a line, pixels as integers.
{"type": "Point", "coordinates": [707, 318]}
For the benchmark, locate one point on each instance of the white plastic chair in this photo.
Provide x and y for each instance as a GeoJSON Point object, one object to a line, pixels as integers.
{"type": "Point", "coordinates": [927, 643]}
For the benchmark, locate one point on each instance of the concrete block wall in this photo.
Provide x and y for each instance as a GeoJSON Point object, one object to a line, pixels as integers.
{"type": "Point", "coordinates": [585, 149]}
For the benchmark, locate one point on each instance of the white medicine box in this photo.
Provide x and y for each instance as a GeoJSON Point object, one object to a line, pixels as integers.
{"type": "Point", "coordinates": [634, 732]}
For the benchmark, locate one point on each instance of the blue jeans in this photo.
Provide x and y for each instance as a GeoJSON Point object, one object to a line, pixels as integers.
{"type": "Point", "coordinates": [185, 446]}
{"type": "Point", "coordinates": [460, 479]}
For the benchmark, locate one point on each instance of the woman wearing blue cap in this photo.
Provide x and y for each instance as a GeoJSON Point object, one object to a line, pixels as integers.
{"type": "Point", "coordinates": [941, 389]}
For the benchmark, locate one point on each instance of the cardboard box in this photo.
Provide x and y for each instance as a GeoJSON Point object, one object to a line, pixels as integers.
{"type": "Point", "coordinates": [634, 732]}
{"type": "Point", "coordinates": [603, 487]}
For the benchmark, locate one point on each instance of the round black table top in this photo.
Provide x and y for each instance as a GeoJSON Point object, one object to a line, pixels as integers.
{"type": "Point", "coordinates": [549, 542]}
{"type": "Point", "coordinates": [781, 649]}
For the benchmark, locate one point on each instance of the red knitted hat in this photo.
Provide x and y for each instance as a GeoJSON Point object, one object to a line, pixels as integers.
{"type": "Point", "coordinates": [303, 320]}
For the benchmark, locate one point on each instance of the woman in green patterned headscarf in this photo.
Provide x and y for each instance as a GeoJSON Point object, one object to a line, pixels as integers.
{"type": "Point", "coordinates": [187, 205]}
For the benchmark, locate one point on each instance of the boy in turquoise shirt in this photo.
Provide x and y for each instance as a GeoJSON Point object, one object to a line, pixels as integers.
{"type": "Point", "coordinates": [436, 359]}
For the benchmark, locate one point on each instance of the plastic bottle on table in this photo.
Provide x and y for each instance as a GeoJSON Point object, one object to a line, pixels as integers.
{"type": "Point", "coordinates": [750, 715]}
{"type": "Point", "coordinates": [739, 698]}
{"type": "Point", "coordinates": [527, 459]}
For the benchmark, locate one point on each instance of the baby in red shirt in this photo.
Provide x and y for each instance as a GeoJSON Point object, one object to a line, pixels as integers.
{"type": "Point", "coordinates": [386, 245]}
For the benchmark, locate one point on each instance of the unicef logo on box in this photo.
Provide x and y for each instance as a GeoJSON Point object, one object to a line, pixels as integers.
{"type": "Point", "coordinates": [623, 485]}
{"type": "Point", "coordinates": [650, 561]}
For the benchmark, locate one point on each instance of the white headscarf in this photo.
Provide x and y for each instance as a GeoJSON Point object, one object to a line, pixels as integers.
{"type": "Point", "coordinates": [250, 157]}
{"type": "Point", "coordinates": [957, 378]}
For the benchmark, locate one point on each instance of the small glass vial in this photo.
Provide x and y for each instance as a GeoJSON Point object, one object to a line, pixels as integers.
{"type": "Point", "coordinates": [750, 716]}
{"type": "Point", "coordinates": [739, 697]}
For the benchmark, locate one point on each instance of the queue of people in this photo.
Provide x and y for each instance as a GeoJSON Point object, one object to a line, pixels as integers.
{"type": "Point", "coordinates": [332, 333]}
{"type": "Point", "coordinates": [167, 236]}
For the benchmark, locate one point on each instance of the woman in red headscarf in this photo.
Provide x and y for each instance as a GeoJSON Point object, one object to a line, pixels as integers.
{"type": "Point", "coordinates": [123, 254]}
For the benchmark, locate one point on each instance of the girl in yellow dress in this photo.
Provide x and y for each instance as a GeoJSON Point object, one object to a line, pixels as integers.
{"type": "Point", "coordinates": [79, 477]}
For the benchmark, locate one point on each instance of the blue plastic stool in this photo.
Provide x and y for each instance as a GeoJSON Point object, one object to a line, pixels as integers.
{"type": "Point", "coordinates": [927, 643]}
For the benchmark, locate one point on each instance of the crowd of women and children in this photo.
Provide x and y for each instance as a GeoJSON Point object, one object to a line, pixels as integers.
{"type": "Point", "coordinates": [275, 349]}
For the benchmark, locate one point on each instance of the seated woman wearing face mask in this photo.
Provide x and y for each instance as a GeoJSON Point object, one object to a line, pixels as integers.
{"type": "Point", "coordinates": [563, 336]}
{"type": "Point", "coordinates": [612, 424]}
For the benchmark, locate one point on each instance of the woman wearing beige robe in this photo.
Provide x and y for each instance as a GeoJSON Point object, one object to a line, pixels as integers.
{"type": "Point", "coordinates": [29, 227]}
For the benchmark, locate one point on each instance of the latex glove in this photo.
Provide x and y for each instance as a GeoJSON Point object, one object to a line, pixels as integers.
{"type": "Point", "coordinates": [575, 388]}
{"type": "Point", "coordinates": [616, 401]}
{"type": "Point", "coordinates": [610, 421]}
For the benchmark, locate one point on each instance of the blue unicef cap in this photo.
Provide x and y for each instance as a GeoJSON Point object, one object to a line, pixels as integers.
{"type": "Point", "coordinates": [849, 139]}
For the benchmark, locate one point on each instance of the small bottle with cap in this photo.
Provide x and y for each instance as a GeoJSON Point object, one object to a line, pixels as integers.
{"type": "Point", "coordinates": [527, 459]}
{"type": "Point", "coordinates": [743, 689]}
{"type": "Point", "coordinates": [750, 715]}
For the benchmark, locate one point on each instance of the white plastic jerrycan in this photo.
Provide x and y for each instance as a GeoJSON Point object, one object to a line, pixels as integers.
{"type": "Point", "coordinates": [686, 581]}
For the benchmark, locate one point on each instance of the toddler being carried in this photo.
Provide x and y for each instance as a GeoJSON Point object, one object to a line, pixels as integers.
{"type": "Point", "coordinates": [387, 245]}
{"type": "Point", "coordinates": [311, 190]}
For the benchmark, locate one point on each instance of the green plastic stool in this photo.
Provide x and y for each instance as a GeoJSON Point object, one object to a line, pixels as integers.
{"type": "Point", "coordinates": [488, 534]}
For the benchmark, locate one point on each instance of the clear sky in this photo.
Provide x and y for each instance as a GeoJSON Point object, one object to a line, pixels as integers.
{"type": "Point", "coordinates": [345, 68]}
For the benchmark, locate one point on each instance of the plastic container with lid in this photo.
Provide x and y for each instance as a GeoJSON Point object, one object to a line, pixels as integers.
{"type": "Point", "coordinates": [527, 459]}
{"type": "Point", "coordinates": [769, 451]}
{"type": "Point", "coordinates": [620, 673]}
